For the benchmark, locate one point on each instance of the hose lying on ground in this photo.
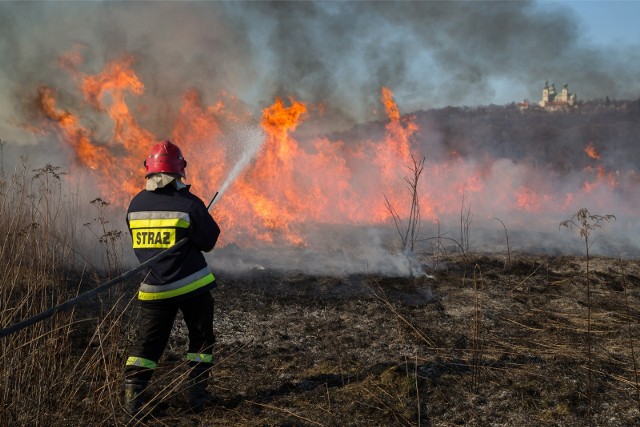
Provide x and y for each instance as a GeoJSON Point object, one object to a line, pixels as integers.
{"type": "Point", "coordinates": [89, 294]}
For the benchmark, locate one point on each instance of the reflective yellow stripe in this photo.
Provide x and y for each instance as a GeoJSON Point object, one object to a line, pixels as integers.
{"type": "Point", "coordinates": [146, 287]}
{"type": "Point", "coordinates": [153, 238]}
{"type": "Point", "coordinates": [141, 362]}
{"type": "Point", "coordinates": [151, 223]}
{"type": "Point", "coordinates": [200, 357]}
{"type": "Point", "coordinates": [149, 296]}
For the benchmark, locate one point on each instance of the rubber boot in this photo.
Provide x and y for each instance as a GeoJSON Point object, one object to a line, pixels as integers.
{"type": "Point", "coordinates": [199, 397]}
{"type": "Point", "coordinates": [134, 399]}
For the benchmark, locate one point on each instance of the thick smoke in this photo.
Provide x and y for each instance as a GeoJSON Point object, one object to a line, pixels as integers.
{"type": "Point", "coordinates": [431, 54]}
{"type": "Point", "coordinates": [334, 56]}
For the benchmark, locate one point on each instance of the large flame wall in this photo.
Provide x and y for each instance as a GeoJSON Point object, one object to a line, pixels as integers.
{"type": "Point", "coordinates": [290, 184]}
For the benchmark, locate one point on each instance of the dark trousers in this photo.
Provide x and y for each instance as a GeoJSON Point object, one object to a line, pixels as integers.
{"type": "Point", "coordinates": [156, 322]}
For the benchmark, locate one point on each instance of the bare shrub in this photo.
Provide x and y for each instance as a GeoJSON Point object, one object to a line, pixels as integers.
{"type": "Point", "coordinates": [465, 223]}
{"type": "Point", "coordinates": [409, 231]}
{"type": "Point", "coordinates": [109, 238]}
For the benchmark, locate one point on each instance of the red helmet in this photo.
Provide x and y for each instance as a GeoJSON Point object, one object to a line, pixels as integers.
{"type": "Point", "coordinates": [165, 157]}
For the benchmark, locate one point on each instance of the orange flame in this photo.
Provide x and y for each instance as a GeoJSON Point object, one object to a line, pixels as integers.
{"type": "Point", "coordinates": [72, 131]}
{"type": "Point", "coordinates": [287, 186]}
{"type": "Point", "coordinates": [602, 176]}
{"type": "Point", "coordinates": [530, 200]}
{"type": "Point", "coordinates": [290, 184]}
{"type": "Point", "coordinates": [592, 152]}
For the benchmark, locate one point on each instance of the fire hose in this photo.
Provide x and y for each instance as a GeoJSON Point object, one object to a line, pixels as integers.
{"type": "Point", "coordinates": [90, 294]}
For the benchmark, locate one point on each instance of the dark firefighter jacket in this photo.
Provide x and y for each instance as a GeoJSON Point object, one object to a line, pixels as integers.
{"type": "Point", "coordinates": [157, 220]}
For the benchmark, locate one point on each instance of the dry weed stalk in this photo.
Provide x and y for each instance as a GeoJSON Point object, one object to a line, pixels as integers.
{"type": "Point", "coordinates": [409, 232]}
{"type": "Point", "coordinates": [586, 223]}
{"type": "Point", "coordinates": [440, 249]}
{"type": "Point", "coordinates": [417, 386]}
{"type": "Point", "coordinates": [110, 238]}
{"type": "Point", "coordinates": [476, 342]}
{"type": "Point", "coordinates": [465, 223]}
{"type": "Point", "coordinates": [507, 264]}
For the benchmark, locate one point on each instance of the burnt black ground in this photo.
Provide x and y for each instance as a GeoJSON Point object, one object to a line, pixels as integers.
{"type": "Point", "coordinates": [477, 343]}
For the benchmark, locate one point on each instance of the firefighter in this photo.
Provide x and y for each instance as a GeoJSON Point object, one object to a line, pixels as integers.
{"type": "Point", "coordinates": [158, 217]}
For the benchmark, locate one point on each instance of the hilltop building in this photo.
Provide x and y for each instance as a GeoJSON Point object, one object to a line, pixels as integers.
{"type": "Point", "coordinates": [552, 100]}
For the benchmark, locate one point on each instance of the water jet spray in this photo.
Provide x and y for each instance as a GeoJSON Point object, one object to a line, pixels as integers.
{"type": "Point", "coordinates": [251, 140]}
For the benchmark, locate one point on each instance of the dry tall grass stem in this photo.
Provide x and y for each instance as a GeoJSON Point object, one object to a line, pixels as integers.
{"type": "Point", "coordinates": [586, 223]}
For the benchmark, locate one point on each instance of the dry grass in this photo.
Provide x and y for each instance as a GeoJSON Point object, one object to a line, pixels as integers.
{"type": "Point", "coordinates": [66, 367]}
{"type": "Point", "coordinates": [476, 344]}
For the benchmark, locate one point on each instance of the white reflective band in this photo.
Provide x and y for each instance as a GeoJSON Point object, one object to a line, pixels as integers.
{"type": "Point", "coordinates": [144, 287]}
{"type": "Point", "coordinates": [159, 215]}
{"type": "Point", "coordinates": [160, 293]}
